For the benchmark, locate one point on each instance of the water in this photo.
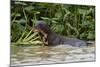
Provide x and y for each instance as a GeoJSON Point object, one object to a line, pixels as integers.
{"type": "Point", "coordinates": [33, 55]}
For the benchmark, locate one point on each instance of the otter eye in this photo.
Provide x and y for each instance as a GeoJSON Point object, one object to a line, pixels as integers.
{"type": "Point", "coordinates": [40, 26]}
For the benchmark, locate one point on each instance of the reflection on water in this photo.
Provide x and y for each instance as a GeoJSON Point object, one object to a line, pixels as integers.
{"type": "Point", "coordinates": [32, 55]}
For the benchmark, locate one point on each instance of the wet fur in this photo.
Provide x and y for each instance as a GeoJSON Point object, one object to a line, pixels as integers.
{"type": "Point", "coordinates": [52, 39]}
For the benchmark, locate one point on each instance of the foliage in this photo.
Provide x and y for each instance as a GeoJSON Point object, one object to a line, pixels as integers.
{"type": "Point", "coordinates": [68, 20]}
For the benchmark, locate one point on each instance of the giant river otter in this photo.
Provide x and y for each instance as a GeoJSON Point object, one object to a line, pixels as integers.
{"type": "Point", "coordinates": [50, 38]}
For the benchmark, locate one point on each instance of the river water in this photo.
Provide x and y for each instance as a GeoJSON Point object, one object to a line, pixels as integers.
{"type": "Point", "coordinates": [36, 55]}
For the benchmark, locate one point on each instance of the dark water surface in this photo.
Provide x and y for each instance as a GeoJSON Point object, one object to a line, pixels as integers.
{"type": "Point", "coordinates": [33, 55]}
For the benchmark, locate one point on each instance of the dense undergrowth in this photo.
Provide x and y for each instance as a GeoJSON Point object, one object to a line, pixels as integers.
{"type": "Point", "coordinates": [68, 20]}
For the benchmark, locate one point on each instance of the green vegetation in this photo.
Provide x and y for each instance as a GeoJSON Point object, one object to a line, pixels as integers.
{"type": "Point", "coordinates": [68, 20]}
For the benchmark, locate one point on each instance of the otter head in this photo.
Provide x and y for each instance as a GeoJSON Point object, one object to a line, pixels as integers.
{"type": "Point", "coordinates": [42, 26]}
